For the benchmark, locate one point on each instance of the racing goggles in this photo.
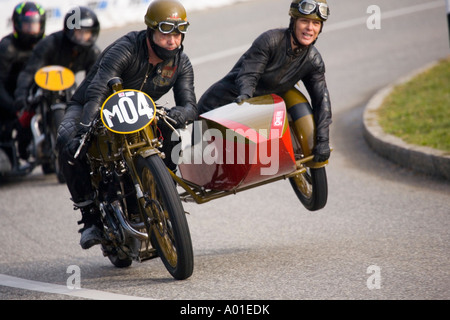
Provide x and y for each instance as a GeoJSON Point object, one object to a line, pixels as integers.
{"type": "Point", "coordinates": [310, 6]}
{"type": "Point", "coordinates": [167, 27]}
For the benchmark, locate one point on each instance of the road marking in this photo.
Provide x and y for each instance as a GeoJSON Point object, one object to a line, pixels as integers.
{"type": "Point", "coordinates": [18, 283]}
{"type": "Point", "coordinates": [329, 28]}
{"type": "Point", "coordinates": [384, 15]}
{"type": "Point", "coordinates": [220, 55]}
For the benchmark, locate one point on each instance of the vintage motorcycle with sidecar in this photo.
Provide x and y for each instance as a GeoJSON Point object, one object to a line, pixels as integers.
{"type": "Point", "coordinates": [230, 149]}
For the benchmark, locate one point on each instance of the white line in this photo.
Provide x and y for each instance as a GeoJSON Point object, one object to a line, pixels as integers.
{"type": "Point", "coordinates": [384, 15]}
{"type": "Point", "coordinates": [9, 281]}
{"type": "Point", "coordinates": [220, 55]}
{"type": "Point", "coordinates": [328, 28]}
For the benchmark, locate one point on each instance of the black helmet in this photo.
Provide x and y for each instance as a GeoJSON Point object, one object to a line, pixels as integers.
{"type": "Point", "coordinates": [83, 19]}
{"type": "Point", "coordinates": [28, 16]}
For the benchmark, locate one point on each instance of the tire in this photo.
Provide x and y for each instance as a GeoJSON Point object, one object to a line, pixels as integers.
{"type": "Point", "coordinates": [168, 230]}
{"type": "Point", "coordinates": [311, 188]}
{"type": "Point", "coordinates": [119, 255]}
{"type": "Point", "coordinates": [53, 165]}
{"type": "Point", "coordinates": [116, 260]}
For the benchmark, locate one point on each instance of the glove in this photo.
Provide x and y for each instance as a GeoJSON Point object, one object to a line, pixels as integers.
{"type": "Point", "coordinates": [25, 118]}
{"type": "Point", "coordinates": [321, 151]}
{"type": "Point", "coordinates": [177, 114]}
{"type": "Point", "coordinates": [73, 145]}
{"type": "Point", "coordinates": [241, 98]}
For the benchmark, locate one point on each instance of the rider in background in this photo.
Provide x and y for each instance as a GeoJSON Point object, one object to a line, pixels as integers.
{"type": "Point", "coordinates": [15, 49]}
{"type": "Point", "coordinates": [73, 47]}
{"type": "Point", "coordinates": [151, 61]}
{"type": "Point", "coordinates": [275, 62]}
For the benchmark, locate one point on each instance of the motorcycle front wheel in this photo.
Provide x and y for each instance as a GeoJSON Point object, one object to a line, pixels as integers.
{"type": "Point", "coordinates": [168, 227]}
{"type": "Point", "coordinates": [311, 188]}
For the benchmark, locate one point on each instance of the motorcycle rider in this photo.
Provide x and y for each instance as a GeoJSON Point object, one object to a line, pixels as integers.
{"type": "Point", "coordinates": [72, 47]}
{"type": "Point", "coordinates": [275, 62]}
{"type": "Point", "coordinates": [150, 60]}
{"type": "Point", "coordinates": [15, 49]}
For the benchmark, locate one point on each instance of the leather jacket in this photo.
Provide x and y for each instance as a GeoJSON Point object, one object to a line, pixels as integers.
{"type": "Point", "coordinates": [13, 58]}
{"type": "Point", "coordinates": [55, 49]}
{"type": "Point", "coordinates": [271, 66]}
{"type": "Point", "coordinates": [127, 58]}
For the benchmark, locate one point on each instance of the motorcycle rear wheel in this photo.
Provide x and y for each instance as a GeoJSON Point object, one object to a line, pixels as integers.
{"type": "Point", "coordinates": [169, 229]}
{"type": "Point", "coordinates": [311, 188]}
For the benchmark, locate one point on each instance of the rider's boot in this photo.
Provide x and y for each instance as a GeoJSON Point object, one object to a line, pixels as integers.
{"type": "Point", "coordinates": [91, 233]}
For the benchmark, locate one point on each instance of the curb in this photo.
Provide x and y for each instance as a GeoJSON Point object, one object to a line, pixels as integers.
{"type": "Point", "coordinates": [421, 159]}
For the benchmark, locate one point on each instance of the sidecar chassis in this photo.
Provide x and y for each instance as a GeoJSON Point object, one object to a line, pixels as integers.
{"type": "Point", "coordinates": [198, 194]}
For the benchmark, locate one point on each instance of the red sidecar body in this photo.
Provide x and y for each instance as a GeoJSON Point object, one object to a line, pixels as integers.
{"type": "Point", "coordinates": [239, 145]}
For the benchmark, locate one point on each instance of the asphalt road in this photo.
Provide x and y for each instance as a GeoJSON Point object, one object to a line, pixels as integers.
{"type": "Point", "coordinates": [383, 234]}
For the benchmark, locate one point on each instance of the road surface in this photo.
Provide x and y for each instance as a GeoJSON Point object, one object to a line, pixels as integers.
{"type": "Point", "coordinates": [383, 234]}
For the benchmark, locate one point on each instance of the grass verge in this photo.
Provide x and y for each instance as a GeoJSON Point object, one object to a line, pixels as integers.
{"type": "Point", "coordinates": [418, 111]}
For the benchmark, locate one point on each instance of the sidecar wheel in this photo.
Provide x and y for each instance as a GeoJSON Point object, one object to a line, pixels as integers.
{"type": "Point", "coordinates": [168, 227]}
{"type": "Point", "coordinates": [311, 188]}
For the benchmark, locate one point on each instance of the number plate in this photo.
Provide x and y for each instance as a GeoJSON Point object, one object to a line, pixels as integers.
{"type": "Point", "coordinates": [128, 111]}
{"type": "Point", "coordinates": [54, 78]}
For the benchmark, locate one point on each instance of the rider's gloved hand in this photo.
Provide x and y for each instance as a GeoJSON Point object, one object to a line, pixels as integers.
{"type": "Point", "coordinates": [24, 114]}
{"type": "Point", "coordinates": [178, 114]}
{"type": "Point", "coordinates": [241, 98]}
{"type": "Point", "coordinates": [74, 144]}
{"type": "Point", "coordinates": [321, 150]}
{"type": "Point", "coordinates": [25, 118]}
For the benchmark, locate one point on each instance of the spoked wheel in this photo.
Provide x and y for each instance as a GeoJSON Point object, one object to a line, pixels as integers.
{"type": "Point", "coordinates": [168, 226]}
{"type": "Point", "coordinates": [311, 188]}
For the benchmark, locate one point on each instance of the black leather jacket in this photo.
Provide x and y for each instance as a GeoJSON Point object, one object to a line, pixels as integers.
{"type": "Point", "coordinates": [55, 49]}
{"type": "Point", "coordinates": [270, 66]}
{"type": "Point", "coordinates": [13, 58]}
{"type": "Point", "coordinates": [127, 58]}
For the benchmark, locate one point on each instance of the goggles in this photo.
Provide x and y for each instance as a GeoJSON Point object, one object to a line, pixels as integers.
{"type": "Point", "coordinates": [167, 27]}
{"type": "Point", "coordinates": [310, 6]}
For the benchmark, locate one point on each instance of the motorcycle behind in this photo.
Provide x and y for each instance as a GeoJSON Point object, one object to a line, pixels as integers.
{"type": "Point", "coordinates": [53, 88]}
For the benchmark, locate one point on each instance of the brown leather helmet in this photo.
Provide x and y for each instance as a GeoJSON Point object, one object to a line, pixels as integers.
{"type": "Point", "coordinates": [166, 11]}
{"type": "Point", "coordinates": [311, 9]}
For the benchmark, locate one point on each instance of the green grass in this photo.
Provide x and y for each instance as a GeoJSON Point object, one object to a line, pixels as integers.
{"type": "Point", "coordinates": [418, 111]}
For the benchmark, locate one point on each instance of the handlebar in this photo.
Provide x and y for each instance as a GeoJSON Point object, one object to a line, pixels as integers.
{"type": "Point", "coordinates": [161, 112]}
